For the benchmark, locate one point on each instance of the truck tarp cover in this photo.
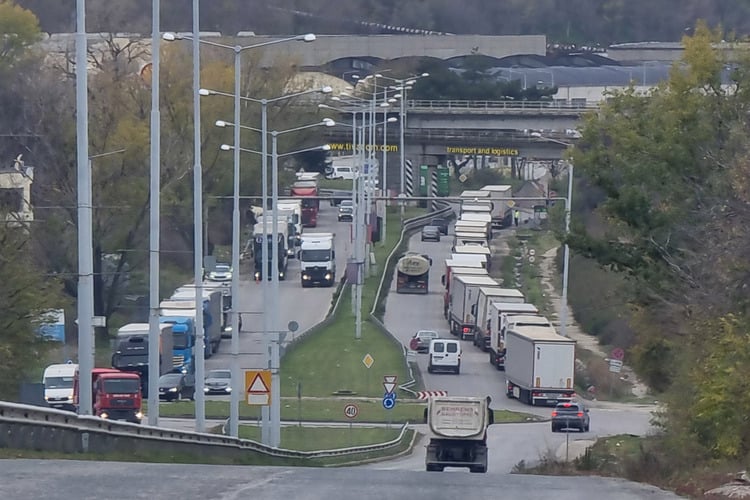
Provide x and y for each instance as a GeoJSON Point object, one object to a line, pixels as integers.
{"type": "Point", "coordinates": [457, 419]}
{"type": "Point", "coordinates": [413, 265]}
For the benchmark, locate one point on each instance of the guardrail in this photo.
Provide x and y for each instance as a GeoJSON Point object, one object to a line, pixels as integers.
{"type": "Point", "coordinates": [32, 427]}
{"type": "Point", "coordinates": [509, 105]}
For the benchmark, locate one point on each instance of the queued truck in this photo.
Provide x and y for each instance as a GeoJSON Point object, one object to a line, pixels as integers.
{"type": "Point", "coordinates": [496, 321]}
{"type": "Point", "coordinates": [225, 290]}
{"type": "Point", "coordinates": [213, 314]}
{"type": "Point", "coordinates": [184, 312]}
{"type": "Point", "coordinates": [413, 273]}
{"type": "Point", "coordinates": [285, 225]}
{"type": "Point", "coordinates": [539, 365]}
{"type": "Point", "coordinates": [281, 239]}
{"type": "Point", "coordinates": [183, 337]}
{"type": "Point", "coordinates": [464, 291]}
{"type": "Point", "coordinates": [458, 432]}
{"type": "Point", "coordinates": [484, 253]}
{"type": "Point", "coordinates": [481, 311]}
{"type": "Point", "coordinates": [306, 190]}
{"type": "Point", "coordinates": [317, 259]}
{"type": "Point", "coordinates": [292, 209]}
{"type": "Point", "coordinates": [464, 264]}
{"type": "Point", "coordinates": [131, 352]}
{"type": "Point", "coordinates": [501, 196]}
{"type": "Point", "coordinates": [115, 395]}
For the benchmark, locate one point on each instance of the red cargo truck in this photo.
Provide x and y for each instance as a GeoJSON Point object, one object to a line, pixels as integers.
{"type": "Point", "coordinates": [116, 395]}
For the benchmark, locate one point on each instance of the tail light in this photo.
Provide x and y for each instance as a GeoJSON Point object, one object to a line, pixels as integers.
{"type": "Point", "coordinates": [580, 414]}
{"type": "Point", "coordinates": [466, 329]}
{"type": "Point", "coordinates": [554, 413]}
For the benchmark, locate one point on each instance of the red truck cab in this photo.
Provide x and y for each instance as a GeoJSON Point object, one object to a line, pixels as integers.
{"type": "Point", "coordinates": [307, 191]}
{"type": "Point", "coordinates": [116, 395]}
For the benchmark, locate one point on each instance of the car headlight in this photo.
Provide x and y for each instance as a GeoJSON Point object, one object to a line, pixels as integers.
{"type": "Point", "coordinates": [205, 389]}
{"type": "Point", "coordinates": [305, 277]}
{"type": "Point", "coordinates": [228, 389]}
{"type": "Point", "coordinates": [173, 389]}
{"type": "Point", "coordinates": [104, 415]}
{"type": "Point", "coordinates": [328, 276]}
{"type": "Point", "coordinates": [257, 275]}
{"type": "Point", "coordinates": [281, 275]}
{"type": "Point", "coordinates": [139, 415]}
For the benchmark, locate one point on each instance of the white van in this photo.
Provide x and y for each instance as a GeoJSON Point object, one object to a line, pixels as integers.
{"type": "Point", "coordinates": [445, 354]}
{"type": "Point", "coordinates": [58, 385]}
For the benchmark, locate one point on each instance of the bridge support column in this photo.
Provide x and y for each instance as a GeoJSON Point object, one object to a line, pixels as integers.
{"type": "Point", "coordinates": [434, 187]}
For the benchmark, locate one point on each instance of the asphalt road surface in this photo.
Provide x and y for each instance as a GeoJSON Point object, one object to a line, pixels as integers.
{"type": "Point", "coordinates": [79, 480]}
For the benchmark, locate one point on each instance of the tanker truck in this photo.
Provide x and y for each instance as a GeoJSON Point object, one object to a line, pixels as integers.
{"type": "Point", "coordinates": [458, 432]}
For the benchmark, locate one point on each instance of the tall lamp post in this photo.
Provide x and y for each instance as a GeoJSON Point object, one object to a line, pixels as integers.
{"type": "Point", "coordinates": [200, 360]}
{"type": "Point", "coordinates": [234, 398]}
{"type": "Point", "coordinates": [275, 437]}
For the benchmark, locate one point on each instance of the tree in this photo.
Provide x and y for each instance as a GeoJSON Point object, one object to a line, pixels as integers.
{"type": "Point", "coordinates": [25, 294]}
{"type": "Point", "coordinates": [19, 29]}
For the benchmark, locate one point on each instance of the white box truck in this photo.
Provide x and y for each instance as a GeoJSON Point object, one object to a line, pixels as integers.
{"type": "Point", "coordinates": [539, 365]}
{"type": "Point", "coordinates": [458, 432]}
{"type": "Point", "coordinates": [317, 258]}
{"type": "Point", "coordinates": [464, 290]}
{"type": "Point", "coordinates": [498, 310]}
{"type": "Point", "coordinates": [458, 266]}
{"type": "Point", "coordinates": [500, 195]}
{"type": "Point", "coordinates": [481, 311]}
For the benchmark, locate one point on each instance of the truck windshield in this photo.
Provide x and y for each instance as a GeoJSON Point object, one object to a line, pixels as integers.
{"type": "Point", "coordinates": [179, 340]}
{"type": "Point", "coordinates": [122, 386]}
{"type": "Point", "coordinates": [133, 359]}
{"type": "Point", "coordinates": [315, 255]}
{"type": "Point", "coordinates": [58, 382]}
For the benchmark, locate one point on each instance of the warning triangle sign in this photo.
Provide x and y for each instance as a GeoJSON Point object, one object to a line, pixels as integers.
{"type": "Point", "coordinates": [258, 386]}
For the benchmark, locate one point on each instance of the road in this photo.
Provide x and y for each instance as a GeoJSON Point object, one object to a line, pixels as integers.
{"type": "Point", "coordinates": [56, 479]}
{"type": "Point", "coordinates": [515, 442]}
{"type": "Point", "coordinates": [306, 306]}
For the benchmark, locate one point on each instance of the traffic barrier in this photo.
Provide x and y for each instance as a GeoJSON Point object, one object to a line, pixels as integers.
{"type": "Point", "coordinates": [434, 188]}
{"type": "Point", "coordinates": [408, 178]}
{"type": "Point", "coordinates": [430, 394]}
{"type": "Point", "coordinates": [47, 429]}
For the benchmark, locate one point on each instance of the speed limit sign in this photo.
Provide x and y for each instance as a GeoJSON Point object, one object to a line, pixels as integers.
{"type": "Point", "coordinates": [351, 410]}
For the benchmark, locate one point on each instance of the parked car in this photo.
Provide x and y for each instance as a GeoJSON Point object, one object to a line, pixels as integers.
{"type": "Point", "coordinates": [221, 272]}
{"type": "Point", "coordinates": [571, 415]}
{"type": "Point", "coordinates": [176, 386]}
{"type": "Point", "coordinates": [420, 342]}
{"type": "Point", "coordinates": [445, 354]}
{"type": "Point", "coordinates": [218, 382]}
{"type": "Point", "coordinates": [440, 222]}
{"type": "Point", "coordinates": [346, 214]}
{"type": "Point", "coordinates": [431, 233]}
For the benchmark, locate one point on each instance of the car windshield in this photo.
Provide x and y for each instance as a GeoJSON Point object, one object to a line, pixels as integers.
{"type": "Point", "coordinates": [179, 340]}
{"type": "Point", "coordinates": [219, 374]}
{"type": "Point", "coordinates": [427, 334]}
{"type": "Point", "coordinates": [170, 379]}
{"type": "Point", "coordinates": [58, 382]}
{"type": "Point", "coordinates": [430, 229]}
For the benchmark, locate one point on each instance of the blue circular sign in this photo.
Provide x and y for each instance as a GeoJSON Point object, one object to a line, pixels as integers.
{"type": "Point", "coordinates": [389, 402]}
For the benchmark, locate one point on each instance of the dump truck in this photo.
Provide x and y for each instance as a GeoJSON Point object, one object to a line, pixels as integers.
{"type": "Point", "coordinates": [458, 432]}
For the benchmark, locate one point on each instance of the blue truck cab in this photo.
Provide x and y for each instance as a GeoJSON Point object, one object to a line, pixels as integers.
{"type": "Point", "coordinates": [183, 330]}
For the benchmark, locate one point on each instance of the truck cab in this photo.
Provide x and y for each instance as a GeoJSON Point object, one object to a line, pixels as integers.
{"type": "Point", "coordinates": [317, 259]}
{"type": "Point", "coordinates": [131, 353]}
{"type": "Point", "coordinates": [281, 239]}
{"type": "Point", "coordinates": [183, 339]}
{"type": "Point", "coordinates": [116, 395]}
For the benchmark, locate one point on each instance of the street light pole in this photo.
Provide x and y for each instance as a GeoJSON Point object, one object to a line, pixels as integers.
{"type": "Point", "coordinates": [234, 406]}
{"type": "Point", "coordinates": [264, 411]}
{"type": "Point", "coordinates": [85, 302]}
{"type": "Point", "coordinates": [402, 119]}
{"type": "Point", "coordinates": [275, 327]}
{"type": "Point", "coordinates": [154, 227]}
{"type": "Point", "coordinates": [566, 255]}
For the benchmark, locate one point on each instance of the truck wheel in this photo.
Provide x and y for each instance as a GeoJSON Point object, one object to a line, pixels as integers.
{"type": "Point", "coordinates": [429, 368]}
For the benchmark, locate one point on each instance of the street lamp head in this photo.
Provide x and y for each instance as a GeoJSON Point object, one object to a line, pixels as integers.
{"type": "Point", "coordinates": [411, 82]}
{"type": "Point", "coordinates": [325, 147]}
{"type": "Point", "coordinates": [323, 106]}
{"type": "Point", "coordinates": [327, 89]}
{"type": "Point", "coordinates": [378, 75]}
{"type": "Point", "coordinates": [398, 96]}
{"type": "Point", "coordinates": [392, 100]}
{"type": "Point", "coordinates": [169, 36]}
{"type": "Point", "coordinates": [392, 119]}
{"type": "Point", "coordinates": [309, 37]}
{"type": "Point", "coordinates": [204, 92]}
{"type": "Point", "coordinates": [221, 123]}
{"type": "Point", "coordinates": [355, 77]}
{"type": "Point", "coordinates": [384, 105]}
{"type": "Point", "coordinates": [335, 98]}
{"type": "Point", "coordinates": [226, 147]}
{"type": "Point", "coordinates": [425, 74]}
{"type": "Point", "coordinates": [328, 122]}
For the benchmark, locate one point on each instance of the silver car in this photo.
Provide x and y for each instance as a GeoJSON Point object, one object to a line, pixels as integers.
{"type": "Point", "coordinates": [218, 382]}
{"type": "Point", "coordinates": [221, 272]}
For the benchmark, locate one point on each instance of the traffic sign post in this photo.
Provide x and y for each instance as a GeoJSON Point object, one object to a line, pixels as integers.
{"type": "Point", "coordinates": [351, 411]}
{"type": "Point", "coordinates": [258, 387]}
{"type": "Point", "coordinates": [618, 354]}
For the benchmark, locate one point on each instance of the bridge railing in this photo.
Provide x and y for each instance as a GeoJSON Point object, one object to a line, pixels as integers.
{"type": "Point", "coordinates": [510, 105]}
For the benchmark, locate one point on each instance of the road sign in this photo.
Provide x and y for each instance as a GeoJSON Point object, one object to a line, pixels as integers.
{"type": "Point", "coordinates": [351, 411]}
{"type": "Point", "coordinates": [368, 360]}
{"type": "Point", "coordinates": [389, 383]}
{"type": "Point", "coordinates": [293, 326]}
{"type": "Point", "coordinates": [258, 387]}
{"type": "Point", "coordinates": [389, 401]}
{"type": "Point", "coordinates": [429, 394]}
{"type": "Point", "coordinates": [511, 203]}
{"type": "Point", "coordinates": [618, 354]}
{"type": "Point", "coordinates": [615, 365]}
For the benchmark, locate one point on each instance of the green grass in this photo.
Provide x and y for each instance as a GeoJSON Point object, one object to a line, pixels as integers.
{"type": "Point", "coordinates": [343, 184]}
{"type": "Point", "coordinates": [324, 438]}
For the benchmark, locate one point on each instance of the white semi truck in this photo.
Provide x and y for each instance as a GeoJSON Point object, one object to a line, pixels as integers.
{"type": "Point", "coordinates": [500, 195]}
{"type": "Point", "coordinates": [458, 432]}
{"type": "Point", "coordinates": [496, 317]}
{"type": "Point", "coordinates": [464, 291]}
{"type": "Point", "coordinates": [317, 257]}
{"type": "Point", "coordinates": [481, 310]}
{"type": "Point", "coordinates": [539, 365]}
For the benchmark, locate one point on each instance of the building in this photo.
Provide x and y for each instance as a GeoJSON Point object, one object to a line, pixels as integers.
{"type": "Point", "coordinates": [15, 193]}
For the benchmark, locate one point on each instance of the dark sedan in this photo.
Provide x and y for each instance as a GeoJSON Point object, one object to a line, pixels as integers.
{"type": "Point", "coordinates": [176, 386]}
{"type": "Point", "coordinates": [430, 233]}
{"type": "Point", "coordinates": [440, 222]}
